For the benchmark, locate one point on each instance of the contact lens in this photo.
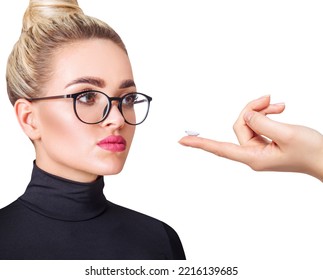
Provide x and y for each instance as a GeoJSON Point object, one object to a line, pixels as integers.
{"type": "Point", "coordinates": [191, 133]}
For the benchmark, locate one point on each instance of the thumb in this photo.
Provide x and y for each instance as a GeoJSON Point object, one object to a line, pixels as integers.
{"type": "Point", "coordinates": [262, 125]}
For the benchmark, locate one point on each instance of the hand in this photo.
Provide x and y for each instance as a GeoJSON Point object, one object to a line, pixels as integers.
{"type": "Point", "coordinates": [267, 145]}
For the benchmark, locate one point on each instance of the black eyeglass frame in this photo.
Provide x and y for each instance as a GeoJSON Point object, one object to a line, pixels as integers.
{"type": "Point", "coordinates": [110, 99]}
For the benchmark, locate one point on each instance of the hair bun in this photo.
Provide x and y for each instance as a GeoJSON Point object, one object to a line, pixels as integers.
{"type": "Point", "coordinates": [41, 10]}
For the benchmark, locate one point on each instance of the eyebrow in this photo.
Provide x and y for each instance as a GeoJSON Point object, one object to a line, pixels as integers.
{"type": "Point", "coordinates": [87, 80]}
{"type": "Point", "coordinates": [98, 82]}
{"type": "Point", "coordinates": [127, 83]}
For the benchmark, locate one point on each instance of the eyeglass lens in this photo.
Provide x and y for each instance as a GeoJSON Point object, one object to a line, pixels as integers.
{"type": "Point", "coordinates": [92, 107]}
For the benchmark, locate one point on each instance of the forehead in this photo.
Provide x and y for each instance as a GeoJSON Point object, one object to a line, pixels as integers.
{"type": "Point", "coordinates": [94, 57]}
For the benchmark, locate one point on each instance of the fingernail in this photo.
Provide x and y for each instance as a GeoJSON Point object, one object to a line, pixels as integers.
{"type": "Point", "coordinates": [280, 104]}
{"type": "Point", "coordinates": [264, 96]}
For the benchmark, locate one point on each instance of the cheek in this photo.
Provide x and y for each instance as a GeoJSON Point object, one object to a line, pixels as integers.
{"type": "Point", "coordinates": [59, 125]}
{"type": "Point", "coordinates": [129, 132]}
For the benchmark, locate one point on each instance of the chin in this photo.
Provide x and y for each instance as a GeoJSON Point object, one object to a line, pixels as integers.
{"type": "Point", "coordinates": [111, 172]}
{"type": "Point", "coordinates": [110, 169]}
{"type": "Point", "coordinates": [111, 165]}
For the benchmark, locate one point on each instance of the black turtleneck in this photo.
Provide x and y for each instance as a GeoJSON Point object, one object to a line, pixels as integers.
{"type": "Point", "coordinates": [61, 219]}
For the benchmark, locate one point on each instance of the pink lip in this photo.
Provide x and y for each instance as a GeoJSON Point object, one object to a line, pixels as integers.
{"type": "Point", "coordinates": [113, 143]}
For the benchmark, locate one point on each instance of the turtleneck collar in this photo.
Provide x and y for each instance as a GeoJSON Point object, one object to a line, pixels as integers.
{"type": "Point", "coordinates": [63, 199]}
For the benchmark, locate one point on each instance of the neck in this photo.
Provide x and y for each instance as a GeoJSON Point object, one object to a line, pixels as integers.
{"type": "Point", "coordinates": [64, 199]}
{"type": "Point", "coordinates": [72, 174]}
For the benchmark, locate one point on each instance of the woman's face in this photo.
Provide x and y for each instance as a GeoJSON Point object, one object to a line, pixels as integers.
{"type": "Point", "coordinates": [68, 147]}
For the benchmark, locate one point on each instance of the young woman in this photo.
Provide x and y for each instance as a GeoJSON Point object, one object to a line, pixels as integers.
{"type": "Point", "coordinates": [71, 83]}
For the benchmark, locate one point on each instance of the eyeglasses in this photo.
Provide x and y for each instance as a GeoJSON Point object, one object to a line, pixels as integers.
{"type": "Point", "coordinates": [93, 106]}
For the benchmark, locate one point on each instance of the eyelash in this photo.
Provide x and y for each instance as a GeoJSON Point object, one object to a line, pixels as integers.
{"type": "Point", "coordinates": [85, 89]}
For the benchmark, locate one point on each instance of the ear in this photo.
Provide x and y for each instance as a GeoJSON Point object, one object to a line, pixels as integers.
{"type": "Point", "coordinates": [26, 115]}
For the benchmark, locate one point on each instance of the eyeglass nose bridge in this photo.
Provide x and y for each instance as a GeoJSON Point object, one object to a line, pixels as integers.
{"type": "Point", "coordinates": [107, 108]}
{"type": "Point", "coordinates": [118, 99]}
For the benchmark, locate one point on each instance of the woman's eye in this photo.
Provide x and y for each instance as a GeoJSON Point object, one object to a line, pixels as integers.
{"type": "Point", "coordinates": [87, 98]}
{"type": "Point", "coordinates": [129, 99]}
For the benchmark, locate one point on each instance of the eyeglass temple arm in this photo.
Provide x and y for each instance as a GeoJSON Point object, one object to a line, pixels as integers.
{"type": "Point", "coordinates": [141, 101]}
{"type": "Point", "coordinates": [50, 97]}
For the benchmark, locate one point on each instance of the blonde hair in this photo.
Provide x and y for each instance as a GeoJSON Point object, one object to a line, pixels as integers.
{"type": "Point", "coordinates": [47, 26]}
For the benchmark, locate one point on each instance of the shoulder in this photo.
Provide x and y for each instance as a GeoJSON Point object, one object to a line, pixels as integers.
{"type": "Point", "coordinates": [128, 217]}
{"type": "Point", "coordinates": [126, 213]}
{"type": "Point", "coordinates": [10, 211]}
{"type": "Point", "coordinates": [13, 219]}
{"type": "Point", "coordinates": [132, 217]}
{"type": "Point", "coordinates": [149, 228]}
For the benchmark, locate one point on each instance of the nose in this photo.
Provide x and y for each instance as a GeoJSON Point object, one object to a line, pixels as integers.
{"type": "Point", "coordinates": [114, 117]}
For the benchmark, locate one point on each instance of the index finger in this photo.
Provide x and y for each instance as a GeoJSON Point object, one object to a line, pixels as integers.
{"type": "Point", "coordinates": [221, 149]}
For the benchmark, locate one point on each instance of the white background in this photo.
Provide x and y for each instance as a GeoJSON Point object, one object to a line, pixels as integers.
{"type": "Point", "coordinates": [202, 61]}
